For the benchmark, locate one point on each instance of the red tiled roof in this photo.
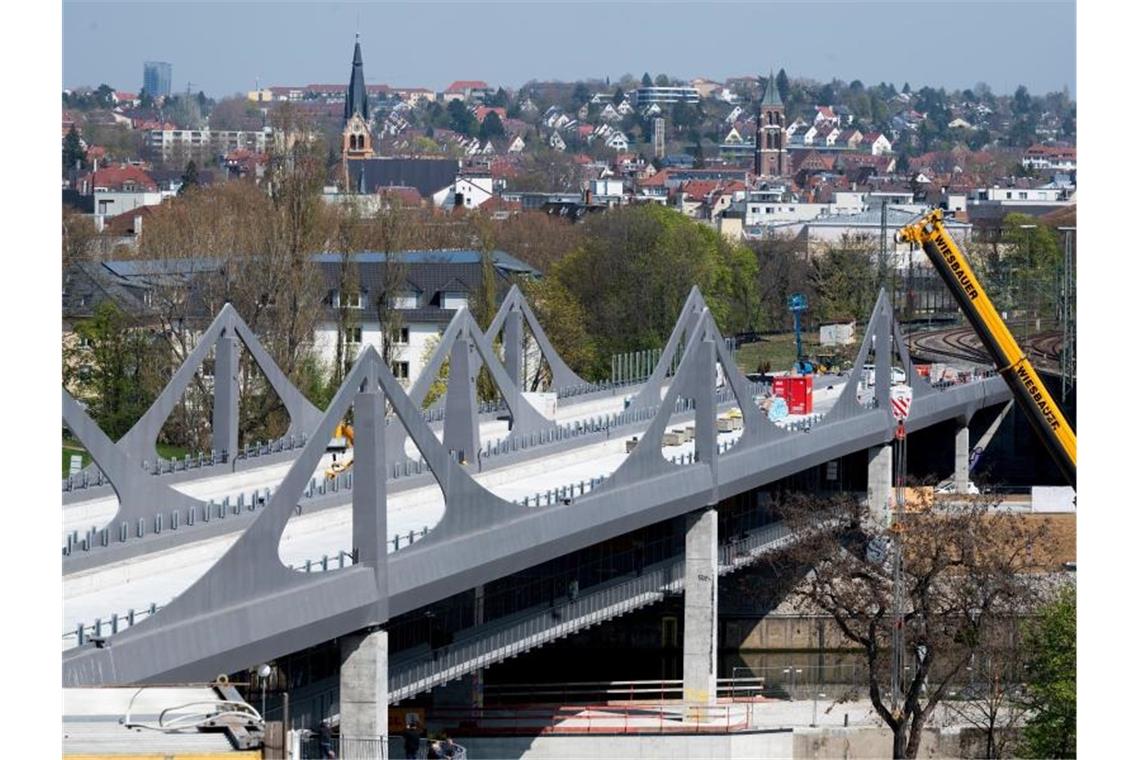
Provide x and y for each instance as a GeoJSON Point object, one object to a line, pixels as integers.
{"type": "Point", "coordinates": [460, 85]}
{"type": "Point", "coordinates": [124, 97]}
{"type": "Point", "coordinates": [825, 112]}
{"type": "Point", "coordinates": [124, 223]}
{"type": "Point", "coordinates": [407, 196]}
{"type": "Point", "coordinates": [482, 112]}
{"type": "Point", "coordinates": [114, 177]}
{"type": "Point", "coordinates": [498, 203]}
{"type": "Point", "coordinates": [657, 180]}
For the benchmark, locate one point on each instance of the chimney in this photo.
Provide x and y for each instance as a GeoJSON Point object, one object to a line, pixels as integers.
{"type": "Point", "coordinates": [138, 225]}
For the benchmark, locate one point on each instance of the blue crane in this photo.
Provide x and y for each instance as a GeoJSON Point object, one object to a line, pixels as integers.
{"type": "Point", "coordinates": [798, 304]}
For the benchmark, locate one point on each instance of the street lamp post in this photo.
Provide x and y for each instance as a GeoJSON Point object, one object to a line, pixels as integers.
{"type": "Point", "coordinates": [263, 673]}
{"type": "Point", "coordinates": [815, 706]}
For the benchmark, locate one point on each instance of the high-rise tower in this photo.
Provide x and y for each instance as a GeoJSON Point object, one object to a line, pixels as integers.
{"type": "Point", "coordinates": [771, 157]}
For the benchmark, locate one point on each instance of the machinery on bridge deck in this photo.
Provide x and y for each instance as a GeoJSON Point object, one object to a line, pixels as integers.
{"type": "Point", "coordinates": [1028, 390]}
{"type": "Point", "coordinates": [341, 441]}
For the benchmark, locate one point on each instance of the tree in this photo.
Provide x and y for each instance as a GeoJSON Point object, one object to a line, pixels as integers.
{"type": "Point", "coordinates": [662, 80]}
{"type": "Point", "coordinates": [499, 100]}
{"type": "Point", "coordinates": [1051, 655]}
{"type": "Point", "coordinates": [968, 572]}
{"type": "Point", "coordinates": [843, 279]}
{"type": "Point", "coordinates": [634, 269]}
{"type": "Point", "coordinates": [646, 81]}
{"type": "Point", "coordinates": [78, 235]}
{"type": "Point", "coordinates": [491, 127]}
{"type": "Point", "coordinates": [782, 84]}
{"type": "Point", "coordinates": [580, 96]}
{"type": "Point", "coordinates": [74, 156]}
{"type": "Point", "coordinates": [619, 96]}
{"type": "Point", "coordinates": [189, 178]}
{"type": "Point", "coordinates": [460, 119]}
{"type": "Point", "coordinates": [110, 367]}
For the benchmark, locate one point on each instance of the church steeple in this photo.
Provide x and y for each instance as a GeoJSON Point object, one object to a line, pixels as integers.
{"type": "Point", "coordinates": [771, 156]}
{"type": "Point", "coordinates": [356, 100]}
{"type": "Point", "coordinates": [356, 139]}
{"type": "Point", "coordinates": [772, 93]}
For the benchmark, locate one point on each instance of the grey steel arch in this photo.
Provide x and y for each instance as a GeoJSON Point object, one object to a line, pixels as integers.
{"type": "Point", "coordinates": [224, 333]}
{"type": "Point", "coordinates": [650, 393]}
{"type": "Point", "coordinates": [141, 495]}
{"type": "Point", "coordinates": [468, 349]}
{"type": "Point", "coordinates": [508, 319]}
{"type": "Point", "coordinates": [249, 608]}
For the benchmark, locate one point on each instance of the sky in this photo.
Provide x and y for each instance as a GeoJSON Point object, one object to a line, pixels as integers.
{"type": "Point", "coordinates": [224, 48]}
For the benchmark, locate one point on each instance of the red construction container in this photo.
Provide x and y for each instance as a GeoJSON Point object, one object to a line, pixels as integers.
{"type": "Point", "coordinates": [796, 391]}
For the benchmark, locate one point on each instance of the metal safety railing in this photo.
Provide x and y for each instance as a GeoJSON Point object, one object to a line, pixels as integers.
{"type": "Point", "coordinates": [649, 717]}
{"type": "Point", "coordinates": [519, 632]}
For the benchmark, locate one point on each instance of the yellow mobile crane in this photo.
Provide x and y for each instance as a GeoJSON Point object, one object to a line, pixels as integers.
{"type": "Point", "coordinates": [1028, 390]}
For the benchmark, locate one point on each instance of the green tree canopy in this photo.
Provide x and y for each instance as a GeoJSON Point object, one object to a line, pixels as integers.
{"type": "Point", "coordinates": [189, 177]}
{"type": "Point", "coordinates": [73, 152]}
{"type": "Point", "coordinates": [492, 126]}
{"type": "Point", "coordinates": [111, 368]}
{"type": "Point", "coordinates": [1051, 651]}
{"type": "Point", "coordinates": [460, 119]}
{"type": "Point", "coordinates": [635, 267]}
{"type": "Point", "coordinates": [646, 80]}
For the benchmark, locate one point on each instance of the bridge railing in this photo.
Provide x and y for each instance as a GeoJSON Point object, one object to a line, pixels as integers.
{"type": "Point", "coordinates": [117, 621]}
{"type": "Point", "coordinates": [93, 477]}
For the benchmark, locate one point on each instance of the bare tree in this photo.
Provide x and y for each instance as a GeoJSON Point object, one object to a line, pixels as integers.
{"type": "Point", "coordinates": [966, 571]}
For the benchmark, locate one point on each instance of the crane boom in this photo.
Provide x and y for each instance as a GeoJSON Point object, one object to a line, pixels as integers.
{"type": "Point", "coordinates": [1044, 415]}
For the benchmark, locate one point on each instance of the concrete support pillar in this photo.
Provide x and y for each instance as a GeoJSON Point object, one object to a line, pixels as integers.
{"type": "Point", "coordinates": [513, 347]}
{"type": "Point", "coordinates": [880, 483]}
{"type": "Point", "coordinates": [962, 457]}
{"type": "Point", "coordinates": [364, 693]}
{"type": "Point", "coordinates": [226, 393]}
{"type": "Point", "coordinates": [460, 421]}
{"type": "Point", "coordinates": [700, 643]}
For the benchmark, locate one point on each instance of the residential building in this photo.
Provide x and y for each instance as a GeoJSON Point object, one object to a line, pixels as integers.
{"type": "Point", "coordinates": [203, 145]}
{"type": "Point", "coordinates": [430, 286]}
{"type": "Point", "coordinates": [414, 95]}
{"type": "Point", "coordinates": [156, 78]}
{"type": "Point", "coordinates": [667, 95]}
{"type": "Point", "coordinates": [1050, 157]}
{"type": "Point", "coordinates": [706, 88]}
{"type": "Point", "coordinates": [468, 192]}
{"type": "Point", "coordinates": [878, 143]}
{"type": "Point", "coordinates": [466, 90]}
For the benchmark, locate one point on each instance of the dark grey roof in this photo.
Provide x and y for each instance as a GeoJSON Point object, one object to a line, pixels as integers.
{"type": "Point", "coordinates": [356, 100]}
{"type": "Point", "coordinates": [427, 175]}
{"type": "Point", "coordinates": [430, 273]}
{"type": "Point", "coordinates": [430, 279]}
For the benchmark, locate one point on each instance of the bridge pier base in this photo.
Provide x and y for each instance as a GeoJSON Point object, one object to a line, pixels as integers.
{"type": "Point", "coordinates": [962, 457]}
{"type": "Point", "coordinates": [880, 470]}
{"type": "Point", "coordinates": [363, 692]}
{"type": "Point", "coordinates": [700, 644]}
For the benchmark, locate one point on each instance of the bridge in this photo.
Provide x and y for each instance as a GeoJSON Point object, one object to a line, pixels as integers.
{"type": "Point", "coordinates": [188, 582]}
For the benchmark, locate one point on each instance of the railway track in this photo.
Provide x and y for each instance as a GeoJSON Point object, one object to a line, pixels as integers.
{"type": "Point", "coordinates": [962, 343]}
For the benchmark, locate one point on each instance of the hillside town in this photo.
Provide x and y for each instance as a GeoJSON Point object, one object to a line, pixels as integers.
{"type": "Point", "coordinates": [751, 156]}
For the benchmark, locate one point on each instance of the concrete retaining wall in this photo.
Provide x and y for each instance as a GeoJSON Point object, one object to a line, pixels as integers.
{"type": "Point", "coordinates": [767, 744]}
